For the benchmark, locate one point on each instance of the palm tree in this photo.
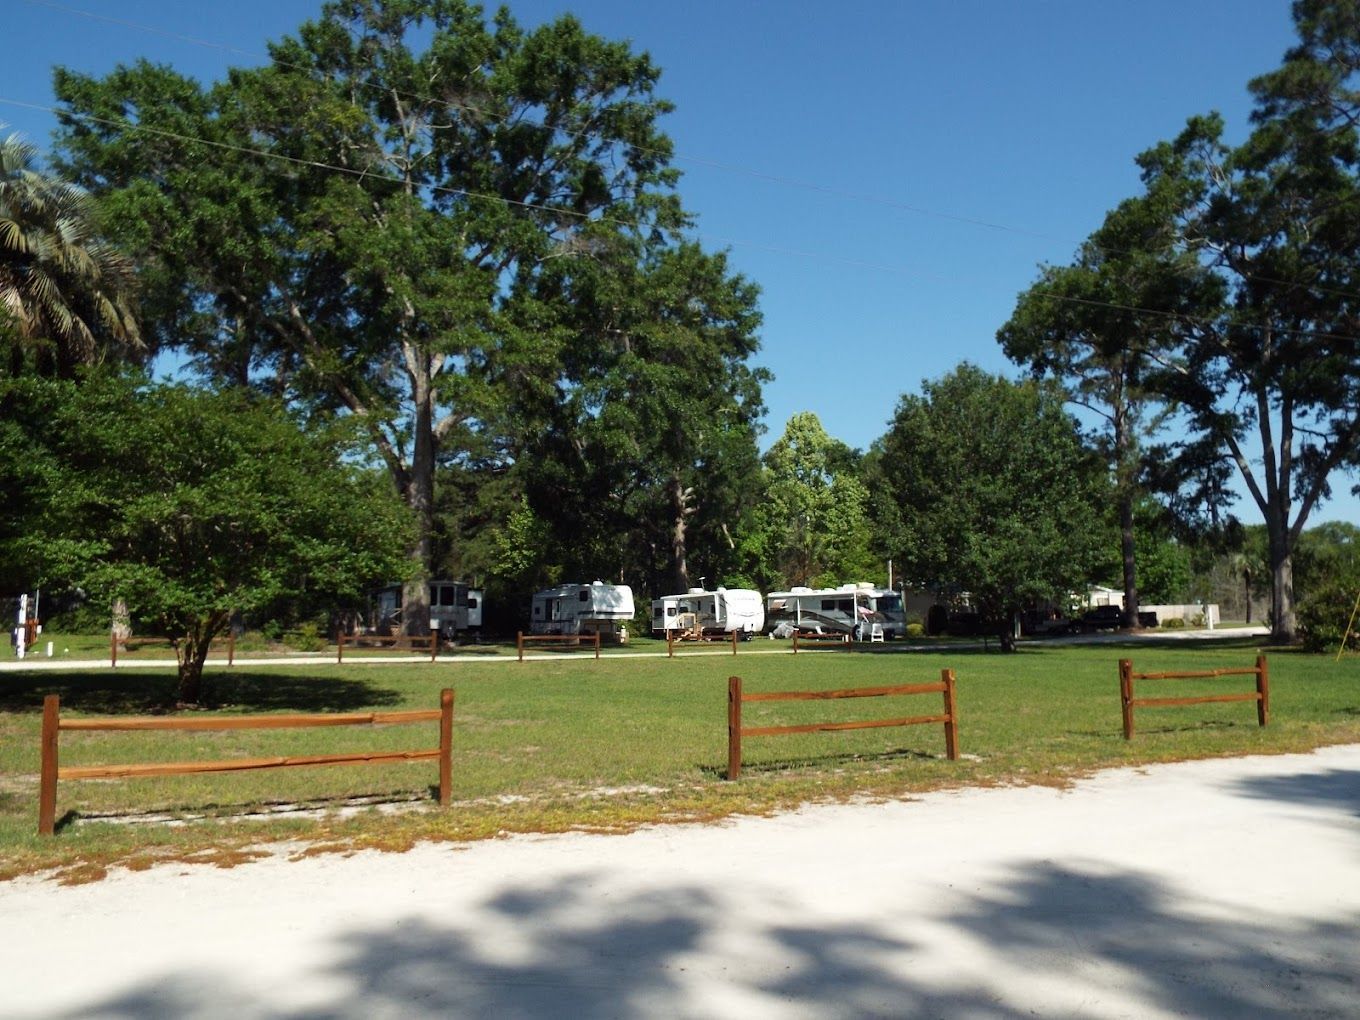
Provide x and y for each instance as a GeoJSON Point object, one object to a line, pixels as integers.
{"type": "Point", "coordinates": [65, 295]}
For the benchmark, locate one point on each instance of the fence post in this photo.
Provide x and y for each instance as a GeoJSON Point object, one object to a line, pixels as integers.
{"type": "Point", "coordinates": [670, 643]}
{"type": "Point", "coordinates": [340, 647]}
{"type": "Point", "coordinates": [795, 642]}
{"type": "Point", "coordinates": [434, 645]}
{"type": "Point", "coordinates": [445, 745]}
{"type": "Point", "coordinates": [597, 644]}
{"type": "Point", "coordinates": [47, 792]}
{"type": "Point", "coordinates": [113, 649]}
{"type": "Point", "coordinates": [733, 727]}
{"type": "Point", "coordinates": [231, 646]}
{"type": "Point", "coordinates": [1263, 689]}
{"type": "Point", "coordinates": [519, 644]}
{"type": "Point", "coordinates": [951, 724]}
{"type": "Point", "coordinates": [1126, 695]}
{"type": "Point", "coordinates": [734, 642]}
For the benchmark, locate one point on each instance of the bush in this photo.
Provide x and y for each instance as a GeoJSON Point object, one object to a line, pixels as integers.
{"type": "Point", "coordinates": [307, 638]}
{"type": "Point", "coordinates": [1197, 620]}
{"type": "Point", "coordinates": [1174, 623]}
{"type": "Point", "coordinates": [1324, 614]}
{"type": "Point", "coordinates": [915, 630]}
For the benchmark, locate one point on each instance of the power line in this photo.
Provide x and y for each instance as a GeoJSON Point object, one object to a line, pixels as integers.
{"type": "Point", "coordinates": [666, 154]}
{"type": "Point", "coordinates": [365, 174]}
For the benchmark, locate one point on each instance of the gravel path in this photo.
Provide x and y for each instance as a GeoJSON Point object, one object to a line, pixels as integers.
{"type": "Point", "coordinates": [1226, 888]}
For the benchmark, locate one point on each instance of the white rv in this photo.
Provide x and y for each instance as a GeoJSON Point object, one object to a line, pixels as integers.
{"type": "Point", "coordinates": [724, 611]}
{"type": "Point", "coordinates": [598, 608]}
{"type": "Point", "coordinates": [851, 609]}
{"type": "Point", "coordinates": [455, 605]}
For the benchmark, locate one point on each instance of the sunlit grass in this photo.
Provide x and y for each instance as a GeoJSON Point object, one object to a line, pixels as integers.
{"type": "Point", "coordinates": [578, 743]}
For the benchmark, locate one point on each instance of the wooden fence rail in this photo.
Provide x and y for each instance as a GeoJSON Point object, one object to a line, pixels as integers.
{"type": "Point", "coordinates": [563, 642]}
{"type": "Point", "coordinates": [1261, 695]}
{"type": "Point", "coordinates": [53, 724]}
{"type": "Point", "coordinates": [812, 640]}
{"type": "Point", "coordinates": [736, 698]}
{"type": "Point", "coordinates": [395, 641]}
{"type": "Point", "coordinates": [670, 642]}
{"type": "Point", "coordinates": [115, 641]}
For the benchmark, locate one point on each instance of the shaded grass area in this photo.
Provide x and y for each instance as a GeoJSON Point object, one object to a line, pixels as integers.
{"type": "Point", "coordinates": [577, 744]}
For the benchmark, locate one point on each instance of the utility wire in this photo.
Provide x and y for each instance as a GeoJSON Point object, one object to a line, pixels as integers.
{"type": "Point", "coordinates": [361, 175]}
{"type": "Point", "coordinates": [665, 154]}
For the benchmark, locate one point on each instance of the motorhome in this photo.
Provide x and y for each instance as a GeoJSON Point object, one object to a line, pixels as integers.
{"type": "Point", "coordinates": [703, 613]}
{"type": "Point", "coordinates": [596, 608]}
{"type": "Point", "coordinates": [455, 605]}
{"type": "Point", "coordinates": [860, 610]}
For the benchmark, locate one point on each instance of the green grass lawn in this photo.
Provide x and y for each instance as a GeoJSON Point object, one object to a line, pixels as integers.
{"type": "Point", "coordinates": [575, 743]}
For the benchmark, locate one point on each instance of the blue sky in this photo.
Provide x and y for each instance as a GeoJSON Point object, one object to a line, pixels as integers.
{"type": "Point", "coordinates": [891, 174]}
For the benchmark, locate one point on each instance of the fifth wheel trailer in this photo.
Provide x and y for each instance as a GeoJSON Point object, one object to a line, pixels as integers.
{"type": "Point", "coordinates": [851, 609]}
{"type": "Point", "coordinates": [724, 611]}
{"type": "Point", "coordinates": [596, 608]}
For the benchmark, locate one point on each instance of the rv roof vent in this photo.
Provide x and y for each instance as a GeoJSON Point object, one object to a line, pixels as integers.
{"type": "Point", "coordinates": [721, 588]}
{"type": "Point", "coordinates": [799, 589]}
{"type": "Point", "coordinates": [695, 591]}
{"type": "Point", "coordinates": [866, 584]}
{"type": "Point", "coordinates": [597, 582]}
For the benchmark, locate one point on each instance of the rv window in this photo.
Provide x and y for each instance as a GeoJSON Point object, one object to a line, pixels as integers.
{"type": "Point", "coordinates": [444, 596]}
{"type": "Point", "coordinates": [657, 612]}
{"type": "Point", "coordinates": [472, 603]}
{"type": "Point", "coordinates": [584, 596]}
{"type": "Point", "coordinates": [828, 604]}
{"type": "Point", "coordinates": [538, 609]}
{"type": "Point", "coordinates": [460, 597]}
{"type": "Point", "coordinates": [846, 605]}
{"type": "Point", "coordinates": [672, 610]}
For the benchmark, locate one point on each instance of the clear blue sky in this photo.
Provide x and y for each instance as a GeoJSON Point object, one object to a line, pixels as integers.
{"type": "Point", "coordinates": [890, 173]}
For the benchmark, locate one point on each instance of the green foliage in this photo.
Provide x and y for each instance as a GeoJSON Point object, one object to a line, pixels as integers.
{"type": "Point", "coordinates": [1325, 614]}
{"type": "Point", "coordinates": [996, 491]}
{"type": "Point", "coordinates": [194, 505]}
{"type": "Point", "coordinates": [1174, 623]}
{"type": "Point", "coordinates": [65, 293]}
{"type": "Point", "coordinates": [812, 526]}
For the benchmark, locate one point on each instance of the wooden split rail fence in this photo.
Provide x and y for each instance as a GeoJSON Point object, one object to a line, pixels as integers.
{"type": "Point", "coordinates": [814, 640]}
{"type": "Point", "coordinates": [736, 698]}
{"type": "Point", "coordinates": [53, 725]}
{"type": "Point", "coordinates": [670, 642]}
{"type": "Point", "coordinates": [115, 641]}
{"type": "Point", "coordinates": [396, 642]}
{"type": "Point", "coordinates": [562, 642]}
{"type": "Point", "coordinates": [1261, 695]}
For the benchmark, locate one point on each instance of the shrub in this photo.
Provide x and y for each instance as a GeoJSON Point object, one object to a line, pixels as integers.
{"type": "Point", "coordinates": [307, 638]}
{"type": "Point", "coordinates": [1324, 614]}
{"type": "Point", "coordinates": [915, 630]}
{"type": "Point", "coordinates": [1197, 620]}
{"type": "Point", "coordinates": [1174, 623]}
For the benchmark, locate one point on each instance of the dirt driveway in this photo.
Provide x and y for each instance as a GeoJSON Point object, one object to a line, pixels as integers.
{"type": "Point", "coordinates": [1226, 888]}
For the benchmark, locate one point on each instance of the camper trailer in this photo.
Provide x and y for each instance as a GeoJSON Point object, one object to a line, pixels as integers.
{"type": "Point", "coordinates": [455, 605]}
{"type": "Point", "coordinates": [854, 609]}
{"type": "Point", "coordinates": [701, 613]}
{"type": "Point", "coordinates": [597, 608]}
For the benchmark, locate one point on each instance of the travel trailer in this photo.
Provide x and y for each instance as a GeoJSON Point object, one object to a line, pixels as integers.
{"type": "Point", "coordinates": [708, 613]}
{"type": "Point", "coordinates": [597, 608]}
{"type": "Point", "coordinates": [852, 609]}
{"type": "Point", "coordinates": [455, 605]}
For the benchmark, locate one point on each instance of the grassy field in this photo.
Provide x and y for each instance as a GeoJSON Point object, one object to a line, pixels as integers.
{"type": "Point", "coordinates": [577, 744]}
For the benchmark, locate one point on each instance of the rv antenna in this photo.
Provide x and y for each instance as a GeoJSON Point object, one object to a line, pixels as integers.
{"type": "Point", "coordinates": [702, 579]}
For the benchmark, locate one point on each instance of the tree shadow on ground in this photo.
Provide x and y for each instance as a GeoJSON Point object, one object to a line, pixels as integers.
{"type": "Point", "coordinates": [133, 692]}
{"type": "Point", "coordinates": [1334, 788]}
{"type": "Point", "coordinates": [1049, 940]}
{"type": "Point", "coordinates": [822, 761]}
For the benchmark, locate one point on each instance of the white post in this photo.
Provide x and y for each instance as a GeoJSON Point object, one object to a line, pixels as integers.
{"type": "Point", "coordinates": [21, 628]}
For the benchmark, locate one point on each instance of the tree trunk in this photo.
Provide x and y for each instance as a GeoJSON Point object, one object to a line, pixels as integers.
{"type": "Point", "coordinates": [415, 613]}
{"type": "Point", "coordinates": [192, 652]}
{"type": "Point", "coordinates": [680, 511]}
{"type": "Point", "coordinates": [1126, 471]}
{"type": "Point", "coordinates": [1283, 624]}
{"type": "Point", "coordinates": [1126, 538]}
{"type": "Point", "coordinates": [1246, 590]}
